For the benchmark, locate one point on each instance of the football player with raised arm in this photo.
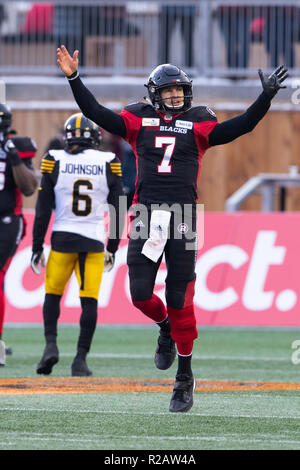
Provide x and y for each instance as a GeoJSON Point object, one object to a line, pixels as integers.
{"type": "Point", "coordinates": [169, 138]}
{"type": "Point", "coordinates": [77, 183]}
{"type": "Point", "coordinates": [17, 178]}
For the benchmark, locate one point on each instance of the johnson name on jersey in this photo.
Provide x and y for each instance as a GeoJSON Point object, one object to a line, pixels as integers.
{"type": "Point", "coordinates": [169, 150]}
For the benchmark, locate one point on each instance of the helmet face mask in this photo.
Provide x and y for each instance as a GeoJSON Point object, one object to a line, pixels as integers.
{"type": "Point", "coordinates": [81, 131]}
{"type": "Point", "coordinates": [165, 76]}
{"type": "Point", "coordinates": [5, 118]}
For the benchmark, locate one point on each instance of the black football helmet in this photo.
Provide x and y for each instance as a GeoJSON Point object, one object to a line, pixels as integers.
{"type": "Point", "coordinates": [166, 75]}
{"type": "Point", "coordinates": [79, 130]}
{"type": "Point", "coordinates": [5, 118]}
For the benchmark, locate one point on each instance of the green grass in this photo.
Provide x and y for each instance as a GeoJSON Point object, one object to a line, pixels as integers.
{"type": "Point", "coordinates": [132, 421]}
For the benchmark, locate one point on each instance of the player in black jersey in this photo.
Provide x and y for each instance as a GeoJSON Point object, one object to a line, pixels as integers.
{"type": "Point", "coordinates": [169, 138]}
{"type": "Point", "coordinates": [16, 178]}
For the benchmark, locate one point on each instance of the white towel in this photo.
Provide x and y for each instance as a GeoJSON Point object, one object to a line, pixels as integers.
{"type": "Point", "coordinates": [159, 229]}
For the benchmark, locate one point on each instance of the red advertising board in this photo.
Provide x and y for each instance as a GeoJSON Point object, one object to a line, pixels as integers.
{"type": "Point", "coordinates": [247, 274]}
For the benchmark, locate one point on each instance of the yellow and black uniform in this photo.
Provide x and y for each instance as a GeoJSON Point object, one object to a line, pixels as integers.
{"type": "Point", "coordinates": [79, 187]}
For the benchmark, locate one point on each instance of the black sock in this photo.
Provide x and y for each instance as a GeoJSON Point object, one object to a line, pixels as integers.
{"type": "Point", "coordinates": [88, 323]}
{"type": "Point", "coordinates": [81, 353]}
{"type": "Point", "coordinates": [165, 325]}
{"type": "Point", "coordinates": [51, 311]}
{"type": "Point", "coordinates": [184, 365]}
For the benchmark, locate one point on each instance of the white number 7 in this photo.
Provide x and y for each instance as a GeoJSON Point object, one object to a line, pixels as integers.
{"type": "Point", "coordinates": [165, 166]}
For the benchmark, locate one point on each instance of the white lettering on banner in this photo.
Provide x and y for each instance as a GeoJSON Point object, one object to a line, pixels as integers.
{"type": "Point", "coordinates": [253, 297]}
{"type": "Point", "coordinates": [206, 299]}
{"type": "Point", "coordinates": [265, 254]}
{"type": "Point", "coordinates": [14, 289]}
{"type": "Point", "coordinates": [296, 354]}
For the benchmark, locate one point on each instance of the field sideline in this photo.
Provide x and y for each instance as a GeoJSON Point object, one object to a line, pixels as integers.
{"type": "Point", "coordinates": [247, 394]}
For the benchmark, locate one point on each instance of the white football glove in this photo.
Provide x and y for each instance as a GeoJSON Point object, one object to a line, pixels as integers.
{"type": "Point", "coordinates": [109, 261]}
{"type": "Point", "coordinates": [37, 260]}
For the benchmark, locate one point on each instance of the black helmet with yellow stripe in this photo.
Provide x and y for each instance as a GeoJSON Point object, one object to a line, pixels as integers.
{"type": "Point", "coordinates": [81, 131]}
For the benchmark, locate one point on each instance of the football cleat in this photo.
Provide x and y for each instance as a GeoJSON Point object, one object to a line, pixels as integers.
{"type": "Point", "coordinates": [79, 368]}
{"type": "Point", "coordinates": [165, 352]}
{"type": "Point", "coordinates": [182, 396]}
{"type": "Point", "coordinates": [2, 353]}
{"type": "Point", "coordinates": [49, 359]}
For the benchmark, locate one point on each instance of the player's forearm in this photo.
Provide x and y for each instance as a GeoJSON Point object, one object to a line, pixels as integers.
{"type": "Point", "coordinates": [104, 117]}
{"type": "Point", "coordinates": [43, 213]}
{"type": "Point", "coordinates": [25, 179]}
{"type": "Point", "coordinates": [229, 130]}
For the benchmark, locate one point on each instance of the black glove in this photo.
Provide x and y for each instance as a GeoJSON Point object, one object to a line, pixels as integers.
{"type": "Point", "coordinates": [11, 152]}
{"type": "Point", "coordinates": [37, 258]}
{"type": "Point", "coordinates": [272, 83]}
{"type": "Point", "coordinates": [109, 261]}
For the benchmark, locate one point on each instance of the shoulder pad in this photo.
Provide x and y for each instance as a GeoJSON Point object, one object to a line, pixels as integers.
{"type": "Point", "coordinates": [47, 164]}
{"type": "Point", "coordinates": [25, 146]}
{"type": "Point", "coordinates": [202, 113]}
{"type": "Point", "coordinates": [139, 108]}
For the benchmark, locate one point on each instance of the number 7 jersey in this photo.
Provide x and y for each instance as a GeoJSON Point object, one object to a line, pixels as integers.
{"type": "Point", "coordinates": [168, 151]}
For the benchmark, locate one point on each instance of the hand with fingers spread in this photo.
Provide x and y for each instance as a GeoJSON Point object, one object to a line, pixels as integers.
{"type": "Point", "coordinates": [67, 63]}
{"type": "Point", "coordinates": [273, 83]}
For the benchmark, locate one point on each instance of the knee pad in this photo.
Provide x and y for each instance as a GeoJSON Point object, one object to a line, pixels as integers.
{"type": "Point", "coordinates": [175, 298]}
{"type": "Point", "coordinates": [139, 290]}
{"type": "Point", "coordinates": [180, 295]}
{"type": "Point", "coordinates": [183, 324]}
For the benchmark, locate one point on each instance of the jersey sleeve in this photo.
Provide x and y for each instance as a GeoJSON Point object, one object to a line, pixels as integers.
{"type": "Point", "coordinates": [117, 204]}
{"type": "Point", "coordinates": [25, 146]}
{"type": "Point", "coordinates": [45, 201]}
{"type": "Point", "coordinates": [133, 124]}
{"type": "Point", "coordinates": [204, 127]}
{"type": "Point", "coordinates": [229, 130]}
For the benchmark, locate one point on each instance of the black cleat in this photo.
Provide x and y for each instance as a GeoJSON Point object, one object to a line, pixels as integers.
{"type": "Point", "coordinates": [79, 368]}
{"type": "Point", "coordinates": [49, 359]}
{"type": "Point", "coordinates": [182, 397]}
{"type": "Point", "coordinates": [8, 351]}
{"type": "Point", "coordinates": [165, 352]}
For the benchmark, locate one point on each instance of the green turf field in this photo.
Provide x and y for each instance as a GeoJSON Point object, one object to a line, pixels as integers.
{"type": "Point", "coordinates": [254, 419]}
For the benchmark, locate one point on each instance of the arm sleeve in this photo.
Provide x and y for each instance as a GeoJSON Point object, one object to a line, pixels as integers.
{"type": "Point", "coordinates": [45, 202]}
{"type": "Point", "coordinates": [104, 117]}
{"type": "Point", "coordinates": [117, 204]}
{"type": "Point", "coordinates": [228, 131]}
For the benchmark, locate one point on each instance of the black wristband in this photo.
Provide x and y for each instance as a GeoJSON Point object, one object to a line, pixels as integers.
{"type": "Point", "coordinates": [73, 76]}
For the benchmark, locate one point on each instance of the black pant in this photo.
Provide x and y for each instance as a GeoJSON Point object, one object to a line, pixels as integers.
{"type": "Point", "coordinates": [11, 230]}
{"type": "Point", "coordinates": [180, 257]}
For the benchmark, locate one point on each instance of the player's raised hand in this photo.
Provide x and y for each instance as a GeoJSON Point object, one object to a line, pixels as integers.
{"type": "Point", "coordinates": [273, 83]}
{"type": "Point", "coordinates": [67, 63]}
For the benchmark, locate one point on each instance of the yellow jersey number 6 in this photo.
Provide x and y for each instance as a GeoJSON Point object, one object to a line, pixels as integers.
{"type": "Point", "coordinates": [82, 203]}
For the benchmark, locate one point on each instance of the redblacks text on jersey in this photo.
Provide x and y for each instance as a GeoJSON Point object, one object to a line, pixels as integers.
{"type": "Point", "coordinates": [168, 150]}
